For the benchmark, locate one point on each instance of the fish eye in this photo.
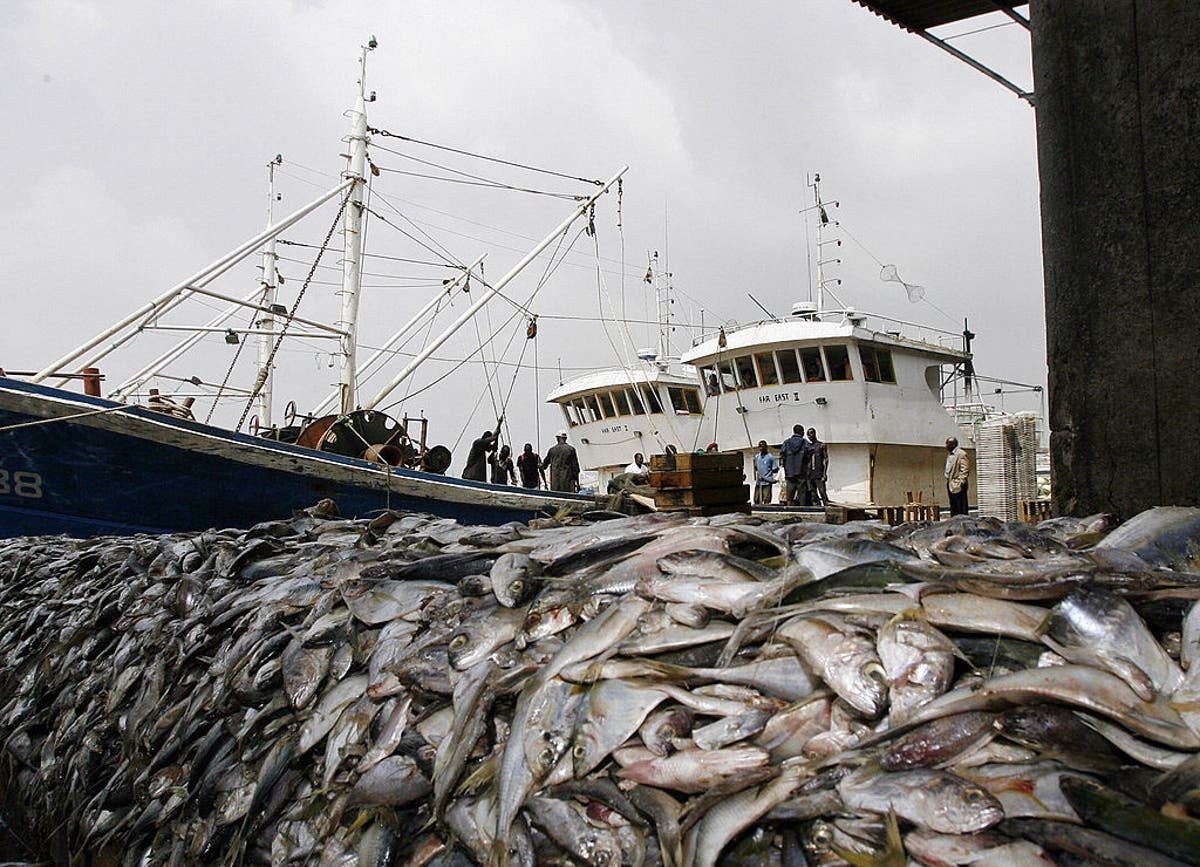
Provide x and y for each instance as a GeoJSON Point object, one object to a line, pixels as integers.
{"type": "Point", "coordinates": [580, 751]}
{"type": "Point", "coordinates": [822, 836]}
{"type": "Point", "coordinates": [458, 642]}
{"type": "Point", "coordinates": [517, 587]}
{"type": "Point", "coordinates": [874, 671]}
{"type": "Point", "coordinates": [974, 795]}
{"type": "Point", "coordinates": [601, 857]}
{"type": "Point", "coordinates": [546, 757]}
{"type": "Point", "coordinates": [532, 620]}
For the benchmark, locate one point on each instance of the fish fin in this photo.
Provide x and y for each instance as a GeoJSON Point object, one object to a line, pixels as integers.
{"type": "Point", "coordinates": [914, 613]}
{"type": "Point", "coordinates": [891, 855]}
{"type": "Point", "coordinates": [484, 773]}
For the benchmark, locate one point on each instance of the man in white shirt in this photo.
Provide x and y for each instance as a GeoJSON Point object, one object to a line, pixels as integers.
{"type": "Point", "coordinates": [638, 468]}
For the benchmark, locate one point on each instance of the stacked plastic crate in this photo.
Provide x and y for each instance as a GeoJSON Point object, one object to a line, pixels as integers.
{"type": "Point", "coordinates": [1005, 454]}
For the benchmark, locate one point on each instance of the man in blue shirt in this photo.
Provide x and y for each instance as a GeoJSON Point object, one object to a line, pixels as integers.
{"type": "Point", "coordinates": [765, 468]}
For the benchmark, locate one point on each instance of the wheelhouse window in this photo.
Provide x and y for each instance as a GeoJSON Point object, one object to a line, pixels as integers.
{"type": "Point", "coordinates": [685, 401]}
{"type": "Point", "coordinates": [877, 364]}
{"type": "Point", "coordinates": [606, 401]}
{"type": "Point", "coordinates": [745, 371]}
{"type": "Point", "coordinates": [635, 402]}
{"type": "Point", "coordinates": [814, 367]}
{"type": "Point", "coordinates": [789, 368]}
{"type": "Point", "coordinates": [728, 378]}
{"type": "Point", "coordinates": [651, 397]}
{"type": "Point", "coordinates": [712, 386]}
{"type": "Point", "coordinates": [767, 375]}
{"type": "Point", "coordinates": [838, 358]}
{"type": "Point", "coordinates": [593, 406]}
{"type": "Point", "coordinates": [622, 400]}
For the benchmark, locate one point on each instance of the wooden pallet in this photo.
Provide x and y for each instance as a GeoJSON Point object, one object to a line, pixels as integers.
{"type": "Point", "coordinates": [895, 515]}
{"type": "Point", "coordinates": [1036, 511]}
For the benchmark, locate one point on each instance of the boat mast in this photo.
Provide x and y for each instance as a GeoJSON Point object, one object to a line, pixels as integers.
{"type": "Point", "coordinates": [352, 233]}
{"type": "Point", "coordinates": [821, 221]}
{"type": "Point", "coordinates": [266, 322]}
{"type": "Point", "coordinates": [662, 295]}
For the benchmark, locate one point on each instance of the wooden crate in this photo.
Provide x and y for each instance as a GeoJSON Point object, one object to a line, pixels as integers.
{"type": "Point", "coordinates": [703, 461]}
{"type": "Point", "coordinates": [1036, 511]}
{"type": "Point", "coordinates": [702, 496]}
{"type": "Point", "coordinates": [696, 478]}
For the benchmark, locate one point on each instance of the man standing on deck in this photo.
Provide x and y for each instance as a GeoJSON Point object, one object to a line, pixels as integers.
{"type": "Point", "coordinates": [563, 464]}
{"type": "Point", "coordinates": [818, 469]}
{"type": "Point", "coordinates": [765, 469]}
{"type": "Point", "coordinates": [793, 454]}
{"type": "Point", "coordinates": [529, 465]}
{"type": "Point", "coordinates": [476, 468]}
{"type": "Point", "coordinates": [958, 471]}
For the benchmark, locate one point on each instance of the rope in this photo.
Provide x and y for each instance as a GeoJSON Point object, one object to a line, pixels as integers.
{"type": "Point", "coordinates": [24, 424]}
{"type": "Point", "coordinates": [287, 323]}
{"type": "Point", "coordinates": [237, 353]}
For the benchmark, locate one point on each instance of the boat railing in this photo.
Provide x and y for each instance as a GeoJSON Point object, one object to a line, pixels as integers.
{"type": "Point", "coordinates": [876, 322]}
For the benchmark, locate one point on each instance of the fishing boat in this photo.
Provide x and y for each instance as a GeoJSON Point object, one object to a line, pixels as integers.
{"type": "Point", "coordinates": [883, 393]}
{"type": "Point", "coordinates": [135, 459]}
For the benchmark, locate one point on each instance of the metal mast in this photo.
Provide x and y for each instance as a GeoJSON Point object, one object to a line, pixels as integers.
{"type": "Point", "coordinates": [822, 221]}
{"type": "Point", "coordinates": [352, 232]}
{"type": "Point", "coordinates": [266, 321]}
{"type": "Point", "coordinates": [662, 295]}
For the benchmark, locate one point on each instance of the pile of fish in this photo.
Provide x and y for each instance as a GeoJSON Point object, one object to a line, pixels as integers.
{"type": "Point", "coordinates": [643, 691]}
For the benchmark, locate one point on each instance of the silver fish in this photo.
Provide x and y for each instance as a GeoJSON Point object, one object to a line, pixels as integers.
{"type": "Point", "coordinates": [929, 799]}
{"type": "Point", "coordinates": [1097, 627]}
{"type": "Point", "coordinates": [844, 657]}
{"type": "Point", "coordinates": [515, 579]}
{"type": "Point", "coordinates": [919, 661]}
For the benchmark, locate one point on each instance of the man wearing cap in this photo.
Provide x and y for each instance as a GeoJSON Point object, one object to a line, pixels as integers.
{"type": "Point", "coordinates": [563, 464]}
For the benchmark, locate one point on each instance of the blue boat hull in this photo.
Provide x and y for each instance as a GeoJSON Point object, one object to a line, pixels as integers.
{"type": "Point", "coordinates": [92, 467]}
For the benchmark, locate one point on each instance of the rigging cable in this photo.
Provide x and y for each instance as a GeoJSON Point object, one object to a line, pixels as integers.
{"type": "Point", "coordinates": [511, 318]}
{"type": "Point", "coordinates": [287, 323]}
{"type": "Point", "coordinates": [384, 132]}
{"type": "Point", "coordinates": [474, 180]}
{"type": "Point", "coordinates": [880, 263]}
{"type": "Point", "coordinates": [602, 293]}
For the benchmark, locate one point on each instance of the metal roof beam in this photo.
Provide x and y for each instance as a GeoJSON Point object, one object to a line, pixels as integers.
{"type": "Point", "coordinates": [975, 64]}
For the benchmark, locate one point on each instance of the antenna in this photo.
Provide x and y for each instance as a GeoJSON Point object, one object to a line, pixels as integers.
{"type": "Point", "coordinates": [371, 45]}
{"type": "Point", "coordinates": [774, 318]}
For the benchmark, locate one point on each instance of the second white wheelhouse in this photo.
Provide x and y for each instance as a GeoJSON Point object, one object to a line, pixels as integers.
{"type": "Point", "coordinates": [871, 387]}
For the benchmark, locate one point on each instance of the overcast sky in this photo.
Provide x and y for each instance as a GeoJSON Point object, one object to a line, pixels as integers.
{"type": "Point", "coordinates": [137, 136]}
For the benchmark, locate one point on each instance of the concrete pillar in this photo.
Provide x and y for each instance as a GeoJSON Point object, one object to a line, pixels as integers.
{"type": "Point", "coordinates": [1117, 86]}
